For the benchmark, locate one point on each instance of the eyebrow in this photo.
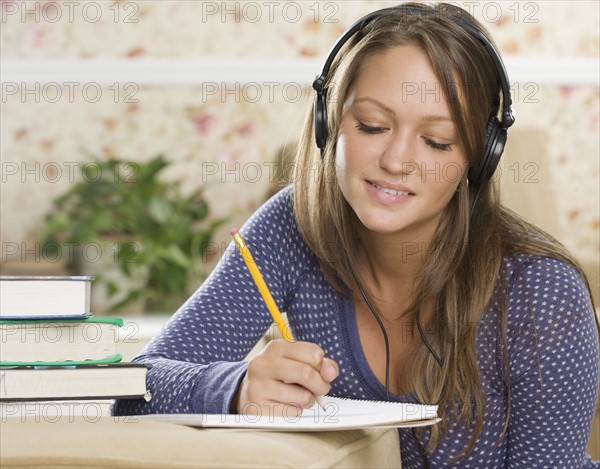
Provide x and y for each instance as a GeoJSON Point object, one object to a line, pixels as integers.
{"type": "Point", "coordinates": [436, 118]}
{"type": "Point", "coordinates": [388, 110]}
{"type": "Point", "coordinates": [379, 104]}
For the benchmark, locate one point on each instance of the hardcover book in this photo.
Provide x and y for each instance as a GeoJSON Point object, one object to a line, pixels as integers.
{"type": "Point", "coordinates": [82, 382]}
{"type": "Point", "coordinates": [44, 297]}
{"type": "Point", "coordinates": [53, 342]}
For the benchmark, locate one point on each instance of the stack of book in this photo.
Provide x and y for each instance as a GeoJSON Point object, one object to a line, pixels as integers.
{"type": "Point", "coordinates": [54, 355]}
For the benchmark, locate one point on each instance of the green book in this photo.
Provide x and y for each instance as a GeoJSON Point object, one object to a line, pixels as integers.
{"type": "Point", "coordinates": [59, 342]}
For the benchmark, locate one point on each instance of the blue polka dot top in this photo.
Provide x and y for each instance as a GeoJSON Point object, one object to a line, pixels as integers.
{"type": "Point", "coordinates": [197, 358]}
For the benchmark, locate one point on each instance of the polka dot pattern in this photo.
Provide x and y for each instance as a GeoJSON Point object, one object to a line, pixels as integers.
{"type": "Point", "coordinates": [552, 350]}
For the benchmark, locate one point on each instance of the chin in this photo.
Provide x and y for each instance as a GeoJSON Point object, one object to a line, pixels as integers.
{"type": "Point", "coordinates": [380, 225]}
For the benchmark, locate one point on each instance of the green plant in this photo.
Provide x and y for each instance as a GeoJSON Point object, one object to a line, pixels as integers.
{"type": "Point", "coordinates": [152, 228]}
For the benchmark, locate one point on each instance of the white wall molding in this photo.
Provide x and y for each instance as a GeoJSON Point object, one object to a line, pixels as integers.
{"type": "Point", "coordinates": [521, 70]}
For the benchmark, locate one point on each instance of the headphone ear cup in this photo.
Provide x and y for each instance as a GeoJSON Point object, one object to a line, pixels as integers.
{"type": "Point", "coordinates": [495, 140]}
{"type": "Point", "coordinates": [320, 119]}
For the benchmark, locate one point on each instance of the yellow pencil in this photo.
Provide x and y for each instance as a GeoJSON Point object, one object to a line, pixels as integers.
{"type": "Point", "coordinates": [264, 291]}
{"type": "Point", "coordinates": [262, 286]}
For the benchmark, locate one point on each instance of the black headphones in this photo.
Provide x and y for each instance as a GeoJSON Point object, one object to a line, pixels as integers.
{"type": "Point", "coordinates": [496, 131]}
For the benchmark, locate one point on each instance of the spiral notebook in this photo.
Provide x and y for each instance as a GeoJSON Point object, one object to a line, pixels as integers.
{"type": "Point", "coordinates": [337, 414]}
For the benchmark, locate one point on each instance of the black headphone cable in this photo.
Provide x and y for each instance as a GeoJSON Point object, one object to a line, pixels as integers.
{"type": "Point", "coordinates": [477, 195]}
{"type": "Point", "coordinates": [416, 440]}
{"type": "Point", "coordinates": [381, 326]}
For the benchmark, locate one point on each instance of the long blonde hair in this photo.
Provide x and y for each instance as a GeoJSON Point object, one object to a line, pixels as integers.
{"type": "Point", "coordinates": [459, 277]}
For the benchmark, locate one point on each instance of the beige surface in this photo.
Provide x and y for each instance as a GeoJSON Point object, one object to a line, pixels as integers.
{"type": "Point", "coordinates": [130, 443]}
{"type": "Point", "coordinates": [594, 442]}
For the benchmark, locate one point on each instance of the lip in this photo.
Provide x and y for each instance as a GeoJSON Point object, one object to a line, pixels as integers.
{"type": "Point", "coordinates": [385, 198]}
{"type": "Point", "coordinates": [391, 185]}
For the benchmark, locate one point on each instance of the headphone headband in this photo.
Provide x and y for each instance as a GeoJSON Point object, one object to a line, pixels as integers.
{"type": "Point", "coordinates": [319, 82]}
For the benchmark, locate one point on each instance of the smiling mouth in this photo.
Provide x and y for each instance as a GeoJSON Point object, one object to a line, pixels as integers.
{"type": "Point", "coordinates": [390, 191]}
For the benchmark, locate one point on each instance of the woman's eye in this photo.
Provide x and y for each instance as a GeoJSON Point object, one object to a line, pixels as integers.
{"type": "Point", "coordinates": [438, 146]}
{"type": "Point", "coordinates": [369, 129]}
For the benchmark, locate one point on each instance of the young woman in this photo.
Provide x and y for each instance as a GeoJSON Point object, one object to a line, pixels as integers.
{"type": "Point", "coordinates": [402, 276]}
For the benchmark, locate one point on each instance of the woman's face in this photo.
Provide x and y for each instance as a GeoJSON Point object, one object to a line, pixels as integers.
{"type": "Point", "coordinates": [399, 159]}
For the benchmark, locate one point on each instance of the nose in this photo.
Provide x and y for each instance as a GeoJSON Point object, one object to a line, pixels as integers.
{"type": "Point", "coordinates": [399, 156]}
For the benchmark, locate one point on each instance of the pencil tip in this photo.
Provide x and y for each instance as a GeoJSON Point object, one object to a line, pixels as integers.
{"type": "Point", "coordinates": [233, 231]}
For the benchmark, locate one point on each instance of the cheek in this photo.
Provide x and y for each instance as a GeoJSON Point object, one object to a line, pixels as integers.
{"type": "Point", "coordinates": [351, 152]}
{"type": "Point", "coordinates": [454, 171]}
{"type": "Point", "coordinates": [341, 157]}
{"type": "Point", "coordinates": [341, 149]}
{"type": "Point", "coordinates": [450, 181]}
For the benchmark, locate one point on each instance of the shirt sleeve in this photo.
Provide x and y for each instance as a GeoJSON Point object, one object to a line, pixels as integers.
{"type": "Point", "coordinates": [554, 366]}
{"type": "Point", "coordinates": [197, 358]}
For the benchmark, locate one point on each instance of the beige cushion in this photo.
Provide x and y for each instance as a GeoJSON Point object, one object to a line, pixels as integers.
{"type": "Point", "coordinates": [528, 188]}
{"type": "Point", "coordinates": [127, 442]}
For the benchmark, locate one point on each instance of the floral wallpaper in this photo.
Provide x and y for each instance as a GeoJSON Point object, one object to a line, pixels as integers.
{"type": "Point", "coordinates": [200, 29]}
{"type": "Point", "coordinates": [228, 143]}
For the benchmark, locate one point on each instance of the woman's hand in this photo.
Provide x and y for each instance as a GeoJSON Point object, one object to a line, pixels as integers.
{"type": "Point", "coordinates": [284, 379]}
